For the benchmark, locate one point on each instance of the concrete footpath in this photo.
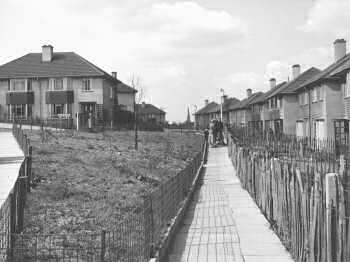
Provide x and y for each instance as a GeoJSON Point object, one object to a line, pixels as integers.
{"type": "Point", "coordinates": [11, 158]}
{"type": "Point", "coordinates": [223, 223]}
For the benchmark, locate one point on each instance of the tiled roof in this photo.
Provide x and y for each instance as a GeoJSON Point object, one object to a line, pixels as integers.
{"type": "Point", "coordinates": [123, 88]}
{"type": "Point", "coordinates": [329, 72]}
{"type": "Point", "coordinates": [145, 109]}
{"type": "Point", "coordinates": [245, 102]}
{"type": "Point", "coordinates": [295, 84]}
{"type": "Point", "coordinates": [207, 109]}
{"type": "Point", "coordinates": [62, 64]}
{"type": "Point", "coordinates": [264, 96]}
{"type": "Point", "coordinates": [230, 102]}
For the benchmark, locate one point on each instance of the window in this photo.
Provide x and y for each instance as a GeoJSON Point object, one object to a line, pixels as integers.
{"type": "Point", "coordinates": [18, 111]}
{"type": "Point", "coordinates": [29, 85]}
{"type": "Point", "coordinates": [314, 94]}
{"type": "Point", "coordinates": [347, 85]}
{"type": "Point", "coordinates": [299, 129]}
{"type": "Point", "coordinates": [18, 85]}
{"type": "Point", "coordinates": [86, 85]}
{"type": "Point", "coordinates": [281, 103]}
{"type": "Point", "coordinates": [306, 98]}
{"type": "Point", "coordinates": [341, 130]}
{"type": "Point", "coordinates": [57, 109]}
{"type": "Point", "coordinates": [319, 129]}
{"type": "Point", "coordinates": [111, 92]}
{"type": "Point", "coordinates": [58, 84]}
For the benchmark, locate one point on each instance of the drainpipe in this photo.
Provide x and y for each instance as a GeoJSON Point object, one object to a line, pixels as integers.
{"type": "Point", "coordinates": [310, 124]}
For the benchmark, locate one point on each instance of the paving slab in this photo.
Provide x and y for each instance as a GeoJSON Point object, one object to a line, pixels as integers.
{"type": "Point", "coordinates": [223, 223]}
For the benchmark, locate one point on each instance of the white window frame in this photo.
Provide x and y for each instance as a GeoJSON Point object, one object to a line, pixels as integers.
{"type": "Point", "coordinates": [12, 83]}
{"type": "Point", "coordinates": [347, 85]}
{"type": "Point", "coordinates": [54, 84]}
{"type": "Point", "coordinates": [314, 95]}
{"type": "Point", "coordinates": [306, 98]}
{"type": "Point", "coordinates": [111, 92]}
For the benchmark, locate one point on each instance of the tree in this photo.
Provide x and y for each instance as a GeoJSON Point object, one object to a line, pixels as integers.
{"type": "Point", "coordinates": [135, 83]}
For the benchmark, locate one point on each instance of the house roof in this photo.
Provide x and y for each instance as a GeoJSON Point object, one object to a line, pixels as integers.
{"type": "Point", "coordinates": [331, 71]}
{"type": "Point", "coordinates": [230, 102]}
{"type": "Point", "coordinates": [207, 109]}
{"type": "Point", "coordinates": [145, 109]}
{"type": "Point", "coordinates": [123, 88]}
{"type": "Point", "coordinates": [296, 83]}
{"type": "Point", "coordinates": [63, 64]}
{"type": "Point", "coordinates": [245, 102]}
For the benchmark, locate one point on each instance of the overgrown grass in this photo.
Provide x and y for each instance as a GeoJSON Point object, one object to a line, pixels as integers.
{"type": "Point", "coordinates": [88, 181]}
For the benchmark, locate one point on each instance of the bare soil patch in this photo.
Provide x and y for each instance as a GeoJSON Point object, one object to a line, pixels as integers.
{"type": "Point", "coordinates": [86, 182]}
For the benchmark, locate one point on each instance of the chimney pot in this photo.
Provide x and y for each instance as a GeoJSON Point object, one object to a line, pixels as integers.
{"type": "Point", "coordinates": [295, 71]}
{"type": "Point", "coordinates": [339, 49]}
{"type": "Point", "coordinates": [47, 53]}
{"type": "Point", "coordinates": [249, 92]}
{"type": "Point", "coordinates": [114, 74]}
{"type": "Point", "coordinates": [272, 83]}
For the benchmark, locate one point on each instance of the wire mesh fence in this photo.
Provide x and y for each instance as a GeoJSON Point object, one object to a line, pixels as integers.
{"type": "Point", "coordinates": [305, 198]}
{"type": "Point", "coordinates": [135, 238]}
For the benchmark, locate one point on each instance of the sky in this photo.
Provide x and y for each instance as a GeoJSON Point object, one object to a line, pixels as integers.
{"type": "Point", "coordinates": [183, 51]}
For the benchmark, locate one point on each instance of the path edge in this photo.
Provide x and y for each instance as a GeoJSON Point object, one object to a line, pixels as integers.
{"type": "Point", "coordinates": [173, 228]}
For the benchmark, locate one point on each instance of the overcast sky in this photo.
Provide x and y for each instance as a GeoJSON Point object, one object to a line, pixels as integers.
{"type": "Point", "coordinates": [183, 51]}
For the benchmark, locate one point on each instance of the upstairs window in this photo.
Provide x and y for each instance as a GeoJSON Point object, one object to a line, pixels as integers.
{"type": "Point", "coordinates": [306, 98]}
{"type": "Point", "coordinates": [58, 84]}
{"type": "Point", "coordinates": [18, 85]}
{"type": "Point", "coordinates": [86, 85]}
{"type": "Point", "coordinates": [347, 85]}
{"type": "Point", "coordinates": [314, 94]}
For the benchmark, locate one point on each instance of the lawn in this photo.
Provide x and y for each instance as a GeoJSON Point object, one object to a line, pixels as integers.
{"type": "Point", "coordinates": [86, 182]}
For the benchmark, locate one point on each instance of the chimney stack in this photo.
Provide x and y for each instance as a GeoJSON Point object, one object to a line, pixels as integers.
{"type": "Point", "coordinates": [206, 102]}
{"type": "Point", "coordinates": [339, 49]}
{"type": "Point", "coordinates": [114, 74]}
{"type": "Point", "coordinates": [143, 105]}
{"type": "Point", "coordinates": [249, 92]}
{"type": "Point", "coordinates": [47, 53]}
{"type": "Point", "coordinates": [224, 98]}
{"type": "Point", "coordinates": [295, 71]}
{"type": "Point", "coordinates": [272, 83]}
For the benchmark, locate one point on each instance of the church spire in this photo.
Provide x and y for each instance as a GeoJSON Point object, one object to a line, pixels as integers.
{"type": "Point", "coordinates": [188, 116]}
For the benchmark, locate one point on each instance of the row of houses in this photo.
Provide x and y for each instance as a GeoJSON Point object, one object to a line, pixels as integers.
{"type": "Point", "coordinates": [52, 85]}
{"type": "Point", "coordinates": [313, 103]}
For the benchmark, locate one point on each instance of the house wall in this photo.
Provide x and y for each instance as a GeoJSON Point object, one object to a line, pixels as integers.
{"type": "Point", "coordinates": [289, 114]}
{"type": "Point", "coordinates": [3, 106]}
{"type": "Point", "coordinates": [127, 99]}
{"type": "Point", "coordinates": [333, 108]}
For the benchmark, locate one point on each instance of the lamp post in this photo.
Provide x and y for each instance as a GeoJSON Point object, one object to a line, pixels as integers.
{"type": "Point", "coordinates": [222, 98]}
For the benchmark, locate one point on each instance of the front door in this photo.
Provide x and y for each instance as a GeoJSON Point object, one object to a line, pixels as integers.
{"type": "Point", "coordinates": [87, 114]}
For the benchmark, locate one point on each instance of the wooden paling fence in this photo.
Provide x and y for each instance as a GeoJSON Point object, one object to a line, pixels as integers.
{"type": "Point", "coordinates": [136, 238]}
{"type": "Point", "coordinates": [305, 200]}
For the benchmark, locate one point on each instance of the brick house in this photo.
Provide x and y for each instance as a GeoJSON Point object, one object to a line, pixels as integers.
{"type": "Point", "coordinates": [323, 99]}
{"type": "Point", "coordinates": [50, 86]}
{"type": "Point", "coordinates": [240, 113]}
{"type": "Point", "coordinates": [282, 103]}
{"type": "Point", "coordinates": [151, 114]}
{"type": "Point", "coordinates": [205, 114]}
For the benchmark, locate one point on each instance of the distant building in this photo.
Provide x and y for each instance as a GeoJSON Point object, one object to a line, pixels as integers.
{"type": "Point", "coordinates": [205, 114]}
{"type": "Point", "coordinates": [50, 85]}
{"type": "Point", "coordinates": [151, 114]}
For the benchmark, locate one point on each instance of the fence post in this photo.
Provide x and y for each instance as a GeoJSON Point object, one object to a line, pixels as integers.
{"type": "Point", "coordinates": [103, 245]}
{"type": "Point", "coordinates": [331, 196]}
{"type": "Point", "coordinates": [12, 224]}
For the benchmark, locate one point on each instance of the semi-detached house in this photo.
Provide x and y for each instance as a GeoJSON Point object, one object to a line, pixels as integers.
{"type": "Point", "coordinates": [324, 106]}
{"type": "Point", "coordinates": [52, 85]}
